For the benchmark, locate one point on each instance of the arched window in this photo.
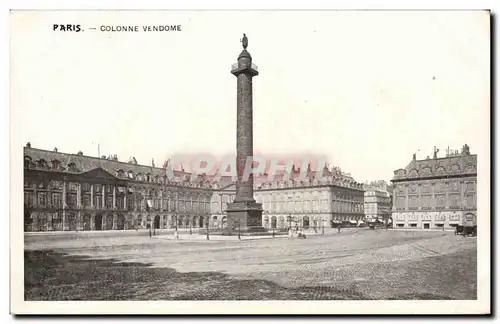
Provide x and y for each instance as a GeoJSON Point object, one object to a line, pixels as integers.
{"type": "Point", "coordinates": [305, 222]}
{"type": "Point", "coordinates": [273, 222]}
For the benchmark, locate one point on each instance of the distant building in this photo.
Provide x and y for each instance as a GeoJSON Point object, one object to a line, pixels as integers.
{"type": "Point", "coordinates": [378, 202]}
{"type": "Point", "coordinates": [70, 192]}
{"type": "Point", "coordinates": [438, 192]}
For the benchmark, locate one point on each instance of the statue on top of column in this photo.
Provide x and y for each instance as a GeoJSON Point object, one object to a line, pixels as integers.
{"type": "Point", "coordinates": [244, 41]}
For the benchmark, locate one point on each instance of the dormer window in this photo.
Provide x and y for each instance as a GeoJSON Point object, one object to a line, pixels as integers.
{"type": "Point", "coordinates": [120, 173]}
{"type": "Point", "coordinates": [130, 175]}
{"type": "Point", "coordinates": [42, 164]}
{"type": "Point", "coordinates": [27, 162]}
{"type": "Point", "coordinates": [55, 164]}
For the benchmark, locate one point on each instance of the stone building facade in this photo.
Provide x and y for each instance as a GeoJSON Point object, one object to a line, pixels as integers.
{"type": "Point", "coordinates": [438, 192]}
{"type": "Point", "coordinates": [74, 192]}
{"type": "Point", "coordinates": [312, 202]}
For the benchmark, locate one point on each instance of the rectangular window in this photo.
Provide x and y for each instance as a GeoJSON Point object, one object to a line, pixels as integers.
{"type": "Point", "coordinates": [28, 199]}
{"type": "Point", "coordinates": [109, 202]}
{"type": "Point", "coordinates": [440, 225]}
{"type": "Point", "coordinates": [426, 202]}
{"type": "Point", "coordinates": [400, 225]}
{"type": "Point", "coordinates": [130, 203]}
{"type": "Point", "coordinates": [454, 201]}
{"type": "Point", "coordinates": [413, 225]}
{"type": "Point", "coordinates": [97, 201]}
{"type": "Point", "coordinates": [470, 186]}
{"type": "Point", "coordinates": [440, 201]}
{"type": "Point", "coordinates": [72, 200]}
{"type": "Point", "coordinates": [86, 201]}
{"type": "Point", "coordinates": [119, 202]}
{"type": "Point", "coordinates": [471, 200]}
{"type": "Point", "coordinates": [400, 203]}
{"type": "Point", "coordinates": [413, 202]}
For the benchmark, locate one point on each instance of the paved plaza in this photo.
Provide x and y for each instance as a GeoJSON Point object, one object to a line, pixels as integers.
{"type": "Point", "coordinates": [353, 264]}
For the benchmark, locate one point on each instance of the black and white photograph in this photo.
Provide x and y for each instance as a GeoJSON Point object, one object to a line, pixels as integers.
{"type": "Point", "coordinates": [250, 161]}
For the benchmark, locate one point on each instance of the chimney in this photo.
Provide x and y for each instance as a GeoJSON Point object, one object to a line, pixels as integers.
{"type": "Point", "coordinates": [79, 153]}
{"type": "Point", "coordinates": [28, 145]}
{"type": "Point", "coordinates": [55, 149]}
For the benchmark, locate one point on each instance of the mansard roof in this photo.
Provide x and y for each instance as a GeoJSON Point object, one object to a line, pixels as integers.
{"type": "Point", "coordinates": [465, 164]}
{"type": "Point", "coordinates": [82, 163]}
{"type": "Point", "coordinates": [54, 161]}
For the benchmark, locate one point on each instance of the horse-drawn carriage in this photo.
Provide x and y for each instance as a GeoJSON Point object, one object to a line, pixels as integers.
{"type": "Point", "coordinates": [468, 227]}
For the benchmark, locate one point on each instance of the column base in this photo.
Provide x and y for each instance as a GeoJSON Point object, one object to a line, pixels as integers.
{"type": "Point", "coordinates": [244, 218]}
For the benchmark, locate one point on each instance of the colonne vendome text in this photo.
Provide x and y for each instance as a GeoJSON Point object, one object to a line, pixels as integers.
{"type": "Point", "coordinates": [144, 28]}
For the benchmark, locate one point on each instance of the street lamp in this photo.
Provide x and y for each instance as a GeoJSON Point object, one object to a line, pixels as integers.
{"type": "Point", "coordinates": [190, 228]}
{"type": "Point", "coordinates": [322, 226]}
{"type": "Point", "coordinates": [208, 222]}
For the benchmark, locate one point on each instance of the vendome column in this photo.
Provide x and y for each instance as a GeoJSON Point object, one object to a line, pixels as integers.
{"type": "Point", "coordinates": [244, 214]}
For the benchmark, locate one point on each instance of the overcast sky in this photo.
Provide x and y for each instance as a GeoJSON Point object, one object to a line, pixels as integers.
{"type": "Point", "coordinates": [367, 89]}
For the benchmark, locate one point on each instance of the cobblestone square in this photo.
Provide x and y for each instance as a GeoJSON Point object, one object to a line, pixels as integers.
{"type": "Point", "coordinates": [353, 264]}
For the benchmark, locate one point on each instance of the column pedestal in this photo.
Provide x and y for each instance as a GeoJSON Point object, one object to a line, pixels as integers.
{"type": "Point", "coordinates": [244, 218]}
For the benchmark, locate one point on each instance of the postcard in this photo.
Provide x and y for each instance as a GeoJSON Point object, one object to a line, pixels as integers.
{"type": "Point", "coordinates": [250, 162]}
